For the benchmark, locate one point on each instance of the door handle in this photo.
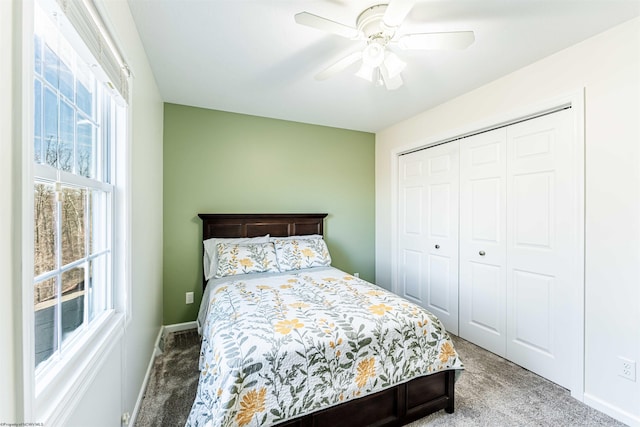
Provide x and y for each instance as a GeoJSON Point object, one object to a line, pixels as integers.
{"type": "Point", "coordinates": [482, 253]}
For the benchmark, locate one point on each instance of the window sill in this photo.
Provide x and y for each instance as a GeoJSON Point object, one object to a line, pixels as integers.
{"type": "Point", "coordinates": [64, 382]}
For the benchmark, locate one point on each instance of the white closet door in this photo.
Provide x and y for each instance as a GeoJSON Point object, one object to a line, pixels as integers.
{"type": "Point", "coordinates": [483, 243]}
{"type": "Point", "coordinates": [542, 236]}
{"type": "Point", "coordinates": [428, 232]}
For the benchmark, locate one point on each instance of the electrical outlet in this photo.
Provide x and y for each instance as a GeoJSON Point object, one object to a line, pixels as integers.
{"type": "Point", "coordinates": [189, 298]}
{"type": "Point", "coordinates": [627, 368]}
{"type": "Point", "coordinates": [125, 419]}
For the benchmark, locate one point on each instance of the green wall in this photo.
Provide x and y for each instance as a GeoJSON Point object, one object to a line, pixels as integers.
{"type": "Point", "coordinates": [219, 162]}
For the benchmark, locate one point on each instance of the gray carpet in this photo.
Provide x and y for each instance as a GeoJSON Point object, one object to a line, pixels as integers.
{"type": "Point", "coordinates": [173, 382]}
{"type": "Point", "coordinates": [491, 392]}
{"type": "Point", "coordinates": [495, 392]}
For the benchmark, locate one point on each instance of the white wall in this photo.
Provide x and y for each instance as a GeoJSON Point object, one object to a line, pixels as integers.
{"type": "Point", "coordinates": [607, 66]}
{"type": "Point", "coordinates": [104, 389]}
{"type": "Point", "coordinates": [8, 366]}
{"type": "Point", "coordinates": [146, 184]}
{"type": "Point", "coordinates": [116, 386]}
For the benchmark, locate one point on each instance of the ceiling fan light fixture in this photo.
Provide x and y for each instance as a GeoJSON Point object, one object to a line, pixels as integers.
{"type": "Point", "coordinates": [379, 80]}
{"type": "Point", "coordinates": [365, 72]}
{"type": "Point", "coordinates": [392, 83]}
{"type": "Point", "coordinates": [373, 55]}
{"type": "Point", "coordinates": [393, 64]}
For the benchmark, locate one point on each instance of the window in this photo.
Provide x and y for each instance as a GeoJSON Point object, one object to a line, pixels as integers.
{"type": "Point", "coordinates": [77, 124]}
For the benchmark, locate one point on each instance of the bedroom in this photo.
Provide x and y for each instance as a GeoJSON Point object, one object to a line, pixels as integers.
{"type": "Point", "coordinates": [611, 219]}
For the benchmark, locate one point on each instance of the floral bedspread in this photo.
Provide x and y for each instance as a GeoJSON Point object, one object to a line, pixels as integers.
{"type": "Point", "coordinates": [275, 347]}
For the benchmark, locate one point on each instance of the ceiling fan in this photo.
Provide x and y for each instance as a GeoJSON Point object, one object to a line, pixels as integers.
{"type": "Point", "coordinates": [378, 26]}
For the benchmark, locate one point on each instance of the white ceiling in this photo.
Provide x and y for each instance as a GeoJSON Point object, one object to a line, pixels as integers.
{"type": "Point", "coordinates": [250, 56]}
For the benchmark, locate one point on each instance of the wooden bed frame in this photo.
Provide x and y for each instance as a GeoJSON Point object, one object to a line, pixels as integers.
{"type": "Point", "coordinates": [395, 406]}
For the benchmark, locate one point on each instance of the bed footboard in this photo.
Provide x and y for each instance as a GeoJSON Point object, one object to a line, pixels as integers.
{"type": "Point", "coordinates": [396, 406]}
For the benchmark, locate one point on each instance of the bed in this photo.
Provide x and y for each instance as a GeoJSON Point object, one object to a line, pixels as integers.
{"type": "Point", "coordinates": [307, 344]}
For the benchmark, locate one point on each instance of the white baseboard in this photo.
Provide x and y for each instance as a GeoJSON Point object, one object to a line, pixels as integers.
{"type": "Point", "coordinates": [180, 327]}
{"type": "Point", "coordinates": [612, 411]}
{"type": "Point", "coordinates": [147, 375]}
{"type": "Point", "coordinates": [164, 330]}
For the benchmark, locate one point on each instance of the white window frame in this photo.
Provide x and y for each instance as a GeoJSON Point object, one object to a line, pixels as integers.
{"type": "Point", "coordinates": [52, 398]}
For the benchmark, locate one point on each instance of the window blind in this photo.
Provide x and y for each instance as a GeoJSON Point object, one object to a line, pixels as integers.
{"type": "Point", "coordinates": [86, 20]}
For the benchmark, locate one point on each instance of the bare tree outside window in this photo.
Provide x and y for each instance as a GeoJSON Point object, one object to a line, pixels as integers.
{"type": "Point", "coordinates": [44, 230]}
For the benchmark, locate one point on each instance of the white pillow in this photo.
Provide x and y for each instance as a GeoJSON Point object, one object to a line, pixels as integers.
{"type": "Point", "coordinates": [210, 258]}
{"type": "Point", "coordinates": [246, 258]}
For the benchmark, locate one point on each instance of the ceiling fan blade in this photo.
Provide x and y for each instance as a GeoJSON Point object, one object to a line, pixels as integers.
{"type": "Point", "coordinates": [396, 11]}
{"type": "Point", "coordinates": [324, 24]}
{"type": "Point", "coordinates": [437, 41]}
{"type": "Point", "coordinates": [338, 66]}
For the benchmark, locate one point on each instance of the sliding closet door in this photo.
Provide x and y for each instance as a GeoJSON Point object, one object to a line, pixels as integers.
{"type": "Point", "coordinates": [483, 242]}
{"type": "Point", "coordinates": [428, 231]}
{"type": "Point", "coordinates": [542, 240]}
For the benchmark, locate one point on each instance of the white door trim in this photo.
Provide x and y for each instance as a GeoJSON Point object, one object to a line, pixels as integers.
{"type": "Point", "coordinates": [573, 99]}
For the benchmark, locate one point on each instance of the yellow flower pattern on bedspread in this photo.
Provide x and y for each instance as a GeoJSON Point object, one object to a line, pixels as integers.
{"type": "Point", "coordinates": [282, 346]}
{"type": "Point", "coordinates": [252, 403]}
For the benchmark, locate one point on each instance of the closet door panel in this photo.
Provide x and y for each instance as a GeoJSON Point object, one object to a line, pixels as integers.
{"type": "Point", "coordinates": [441, 243]}
{"type": "Point", "coordinates": [485, 293]}
{"type": "Point", "coordinates": [542, 215]}
{"type": "Point", "coordinates": [440, 270]}
{"type": "Point", "coordinates": [411, 271]}
{"type": "Point", "coordinates": [532, 297]}
{"type": "Point", "coordinates": [428, 238]}
{"type": "Point", "coordinates": [412, 274]}
{"type": "Point", "coordinates": [482, 240]}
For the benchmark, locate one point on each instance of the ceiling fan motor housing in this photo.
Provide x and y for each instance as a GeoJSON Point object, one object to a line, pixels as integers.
{"type": "Point", "coordinates": [371, 24]}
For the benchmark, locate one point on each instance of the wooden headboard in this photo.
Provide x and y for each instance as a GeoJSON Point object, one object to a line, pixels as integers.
{"type": "Point", "coordinates": [253, 225]}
